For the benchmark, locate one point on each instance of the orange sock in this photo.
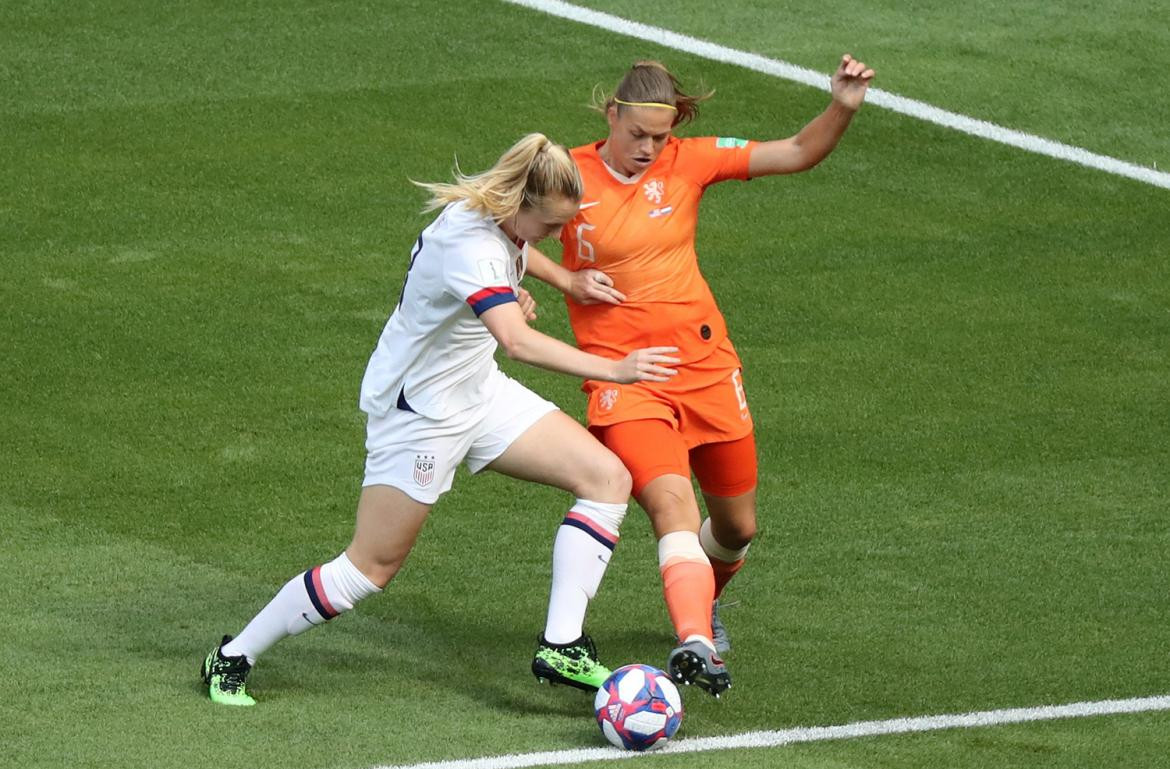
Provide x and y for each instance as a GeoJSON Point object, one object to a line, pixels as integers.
{"type": "Point", "coordinates": [689, 587]}
{"type": "Point", "coordinates": [724, 571]}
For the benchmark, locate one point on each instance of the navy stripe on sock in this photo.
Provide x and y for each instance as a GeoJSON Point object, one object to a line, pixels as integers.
{"type": "Point", "coordinates": [589, 531]}
{"type": "Point", "coordinates": [312, 591]}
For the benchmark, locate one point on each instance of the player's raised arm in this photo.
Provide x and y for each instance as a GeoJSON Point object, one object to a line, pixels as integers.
{"type": "Point", "coordinates": [586, 286]}
{"type": "Point", "coordinates": [523, 343]}
{"type": "Point", "coordinates": [816, 140]}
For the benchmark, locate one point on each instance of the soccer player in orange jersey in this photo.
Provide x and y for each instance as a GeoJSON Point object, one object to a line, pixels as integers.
{"type": "Point", "coordinates": [631, 278]}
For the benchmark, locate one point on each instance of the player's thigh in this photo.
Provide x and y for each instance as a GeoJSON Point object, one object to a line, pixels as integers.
{"type": "Point", "coordinates": [649, 448]}
{"type": "Point", "coordinates": [656, 456]}
{"type": "Point", "coordinates": [726, 468]}
{"type": "Point", "coordinates": [727, 472]}
{"type": "Point", "coordinates": [387, 526]}
{"type": "Point", "coordinates": [558, 451]}
{"type": "Point", "coordinates": [415, 454]}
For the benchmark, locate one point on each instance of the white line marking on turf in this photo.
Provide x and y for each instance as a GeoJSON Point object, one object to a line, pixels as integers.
{"type": "Point", "coordinates": [812, 734]}
{"type": "Point", "coordinates": [877, 97]}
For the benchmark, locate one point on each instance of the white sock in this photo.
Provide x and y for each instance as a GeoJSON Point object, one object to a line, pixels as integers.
{"type": "Point", "coordinates": [581, 551]}
{"type": "Point", "coordinates": [307, 600]}
{"type": "Point", "coordinates": [706, 641]}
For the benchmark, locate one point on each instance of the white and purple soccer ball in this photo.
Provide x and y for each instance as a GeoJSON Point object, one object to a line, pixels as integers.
{"type": "Point", "coordinates": [638, 708]}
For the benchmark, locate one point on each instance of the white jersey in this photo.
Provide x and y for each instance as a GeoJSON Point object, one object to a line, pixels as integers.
{"type": "Point", "coordinates": [435, 356]}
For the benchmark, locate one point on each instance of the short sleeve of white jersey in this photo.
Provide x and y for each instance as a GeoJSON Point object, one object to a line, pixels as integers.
{"type": "Point", "coordinates": [479, 274]}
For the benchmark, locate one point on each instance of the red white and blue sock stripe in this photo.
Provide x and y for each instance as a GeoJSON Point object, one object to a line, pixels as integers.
{"type": "Point", "coordinates": [592, 528]}
{"type": "Point", "coordinates": [316, 591]}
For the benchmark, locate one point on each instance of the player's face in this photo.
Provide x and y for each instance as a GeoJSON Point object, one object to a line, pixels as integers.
{"type": "Point", "coordinates": [537, 223]}
{"type": "Point", "coordinates": [636, 137]}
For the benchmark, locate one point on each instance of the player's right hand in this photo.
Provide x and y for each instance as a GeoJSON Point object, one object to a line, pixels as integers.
{"type": "Point", "coordinates": [591, 286]}
{"type": "Point", "coordinates": [648, 364]}
{"type": "Point", "coordinates": [850, 81]}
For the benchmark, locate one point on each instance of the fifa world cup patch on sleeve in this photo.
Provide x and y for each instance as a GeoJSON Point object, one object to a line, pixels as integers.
{"type": "Point", "coordinates": [730, 142]}
{"type": "Point", "coordinates": [490, 272]}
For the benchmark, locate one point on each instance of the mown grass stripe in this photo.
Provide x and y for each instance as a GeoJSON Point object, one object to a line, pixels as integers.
{"type": "Point", "coordinates": [877, 97]}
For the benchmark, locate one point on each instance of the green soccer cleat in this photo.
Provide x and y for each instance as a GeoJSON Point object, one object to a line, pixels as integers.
{"type": "Point", "coordinates": [226, 677]}
{"type": "Point", "coordinates": [573, 664]}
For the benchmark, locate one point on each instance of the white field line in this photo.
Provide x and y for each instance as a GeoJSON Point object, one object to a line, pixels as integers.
{"type": "Point", "coordinates": [812, 734]}
{"type": "Point", "coordinates": [877, 97]}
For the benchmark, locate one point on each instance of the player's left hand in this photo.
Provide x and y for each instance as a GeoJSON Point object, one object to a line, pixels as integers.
{"type": "Point", "coordinates": [850, 82]}
{"type": "Point", "coordinates": [591, 286]}
{"type": "Point", "coordinates": [527, 304]}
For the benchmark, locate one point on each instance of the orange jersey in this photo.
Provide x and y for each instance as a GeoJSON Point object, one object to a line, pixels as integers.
{"type": "Point", "coordinates": [642, 234]}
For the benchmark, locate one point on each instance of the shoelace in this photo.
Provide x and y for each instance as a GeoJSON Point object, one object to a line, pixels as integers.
{"type": "Point", "coordinates": [232, 677]}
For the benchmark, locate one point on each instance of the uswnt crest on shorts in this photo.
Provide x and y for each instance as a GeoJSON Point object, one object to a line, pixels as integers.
{"type": "Point", "coordinates": [424, 469]}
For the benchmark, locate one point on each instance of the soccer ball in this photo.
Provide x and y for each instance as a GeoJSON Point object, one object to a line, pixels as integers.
{"type": "Point", "coordinates": [638, 708]}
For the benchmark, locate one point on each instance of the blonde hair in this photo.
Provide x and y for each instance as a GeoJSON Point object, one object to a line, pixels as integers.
{"type": "Point", "coordinates": [527, 174]}
{"type": "Point", "coordinates": [651, 83]}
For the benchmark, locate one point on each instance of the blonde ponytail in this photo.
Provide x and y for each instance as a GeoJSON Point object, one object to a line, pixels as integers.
{"type": "Point", "coordinates": [530, 171]}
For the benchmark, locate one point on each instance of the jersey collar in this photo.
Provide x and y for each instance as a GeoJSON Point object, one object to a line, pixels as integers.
{"type": "Point", "coordinates": [620, 177]}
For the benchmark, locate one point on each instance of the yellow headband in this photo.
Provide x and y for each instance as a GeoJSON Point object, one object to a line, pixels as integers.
{"type": "Point", "coordinates": [645, 104]}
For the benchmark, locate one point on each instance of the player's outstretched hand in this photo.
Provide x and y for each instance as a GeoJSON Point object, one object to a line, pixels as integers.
{"type": "Point", "coordinates": [850, 82]}
{"type": "Point", "coordinates": [591, 286]}
{"type": "Point", "coordinates": [527, 304]}
{"type": "Point", "coordinates": [649, 363]}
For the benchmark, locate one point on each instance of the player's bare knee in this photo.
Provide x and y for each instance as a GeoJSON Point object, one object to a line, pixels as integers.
{"type": "Point", "coordinates": [744, 532]}
{"type": "Point", "coordinates": [605, 479]}
{"type": "Point", "coordinates": [622, 481]}
{"type": "Point", "coordinates": [670, 502]}
{"type": "Point", "coordinates": [378, 568]}
{"type": "Point", "coordinates": [735, 533]}
{"type": "Point", "coordinates": [742, 537]}
{"type": "Point", "coordinates": [381, 573]}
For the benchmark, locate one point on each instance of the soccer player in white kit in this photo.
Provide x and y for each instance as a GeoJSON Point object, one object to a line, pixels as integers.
{"type": "Point", "coordinates": [434, 396]}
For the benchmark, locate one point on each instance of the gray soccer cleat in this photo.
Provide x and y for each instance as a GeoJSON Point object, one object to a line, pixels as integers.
{"type": "Point", "coordinates": [719, 630]}
{"type": "Point", "coordinates": [695, 663]}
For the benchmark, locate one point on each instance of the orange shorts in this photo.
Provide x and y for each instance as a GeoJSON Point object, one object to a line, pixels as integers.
{"type": "Point", "coordinates": [703, 404]}
{"type": "Point", "coordinates": [650, 448]}
{"type": "Point", "coordinates": [705, 401]}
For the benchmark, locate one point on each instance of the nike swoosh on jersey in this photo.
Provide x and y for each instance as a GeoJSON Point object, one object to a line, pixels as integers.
{"type": "Point", "coordinates": [589, 205]}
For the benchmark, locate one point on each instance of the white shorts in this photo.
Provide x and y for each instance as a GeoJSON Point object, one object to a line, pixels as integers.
{"type": "Point", "coordinates": [418, 455]}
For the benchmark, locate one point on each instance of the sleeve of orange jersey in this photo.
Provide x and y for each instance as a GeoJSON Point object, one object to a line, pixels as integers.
{"type": "Point", "coordinates": [711, 159]}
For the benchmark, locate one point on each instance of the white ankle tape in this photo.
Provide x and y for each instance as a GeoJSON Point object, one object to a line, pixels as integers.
{"type": "Point", "coordinates": [716, 550]}
{"type": "Point", "coordinates": [680, 546]}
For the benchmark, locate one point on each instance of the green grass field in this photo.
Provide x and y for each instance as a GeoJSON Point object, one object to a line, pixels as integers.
{"type": "Point", "coordinates": [957, 355]}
